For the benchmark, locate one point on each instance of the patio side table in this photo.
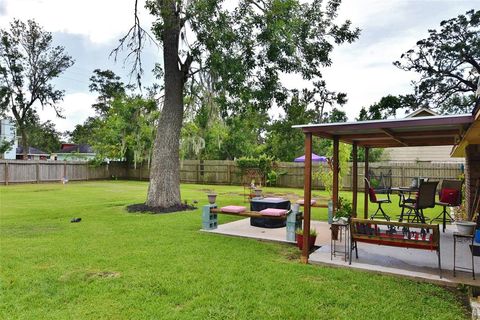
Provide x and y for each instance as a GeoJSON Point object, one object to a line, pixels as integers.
{"type": "Point", "coordinates": [458, 237]}
{"type": "Point", "coordinates": [343, 230]}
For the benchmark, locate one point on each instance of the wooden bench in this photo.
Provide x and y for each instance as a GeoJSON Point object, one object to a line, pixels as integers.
{"type": "Point", "coordinates": [293, 218]}
{"type": "Point", "coordinates": [395, 234]}
{"type": "Point", "coordinates": [313, 204]}
{"type": "Point", "coordinates": [251, 214]}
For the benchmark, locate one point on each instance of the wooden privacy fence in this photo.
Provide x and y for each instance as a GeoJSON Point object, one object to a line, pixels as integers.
{"type": "Point", "coordinates": [214, 172]}
{"type": "Point", "coordinates": [21, 171]}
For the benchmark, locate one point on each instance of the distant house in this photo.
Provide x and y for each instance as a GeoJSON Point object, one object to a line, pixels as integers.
{"type": "Point", "coordinates": [33, 154]}
{"type": "Point", "coordinates": [8, 135]}
{"type": "Point", "coordinates": [421, 154]}
{"type": "Point", "coordinates": [74, 152]}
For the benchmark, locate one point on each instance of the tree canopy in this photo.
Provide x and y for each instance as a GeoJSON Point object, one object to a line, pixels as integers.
{"type": "Point", "coordinates": [385, 108]}
{"type": "Point", "coordinates": [28, 63]}
{"type": "Point", "coordinates": [124, 126]}
{"type": "Point", "coordinates": [44, 135]}
{"type": "Point", "coordinates": [448, 62]}
{"type": "Point", "coordinates": [108, 86]}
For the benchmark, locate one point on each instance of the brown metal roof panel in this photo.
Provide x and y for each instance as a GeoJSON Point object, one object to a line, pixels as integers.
{"type": "Point", "coordinates": [417, 123]}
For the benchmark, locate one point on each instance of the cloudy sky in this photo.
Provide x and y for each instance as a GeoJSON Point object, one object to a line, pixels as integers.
{"type": "Point", "coordinates": [90, 29]}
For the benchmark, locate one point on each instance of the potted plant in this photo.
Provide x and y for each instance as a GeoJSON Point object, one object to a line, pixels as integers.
{"type": "Point", "coordinates": [212, 198]}
{"type": "Point", "coordinates": [343, 214]}
{"type": "Point", "coordinates": [344, 210]}
{"type": "Point", "coordinates": [311, 238]}
{"type": "Point", "coordinates": [464, 226]}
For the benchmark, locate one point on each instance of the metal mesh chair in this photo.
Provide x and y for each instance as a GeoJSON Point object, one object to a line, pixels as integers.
{"type": "Point", "coordinates": [425, 199]}
{"type": "Point", "coordinates": [410, 198]}
{"type": "Point", "coordinates": [373, 199]}
{"type": "Point", "coordinates": [455, 201]}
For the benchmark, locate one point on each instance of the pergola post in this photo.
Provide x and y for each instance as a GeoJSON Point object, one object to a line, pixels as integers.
{"type": "Point", "coordinates": [354, 179]}
{"type": "Point", "coordinates": [307, 197]}
{"type": "Point", "coordinates": [335, 173]}
{"type": "Point", "coordinates": [365, 203]}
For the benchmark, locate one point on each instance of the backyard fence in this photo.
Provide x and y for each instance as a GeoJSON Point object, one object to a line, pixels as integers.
{"type": "Point", "coordinates": [215, 172]}
{"type": "Point", "coordinates": [31, 171]}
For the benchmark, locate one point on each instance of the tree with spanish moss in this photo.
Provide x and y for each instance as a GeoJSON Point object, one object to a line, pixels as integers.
{"type": "Point", "coordinates": [245, 49]}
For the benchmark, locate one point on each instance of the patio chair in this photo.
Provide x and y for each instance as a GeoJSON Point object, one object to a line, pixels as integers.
{"type": "Point", "coordinates": [409, 197]}
{"type": "Point", "coordinates": [450, 196]}
{"type": "Point", "coordinates": [373, 199]}
{"type": "Point", "coordinates": [425, 199]}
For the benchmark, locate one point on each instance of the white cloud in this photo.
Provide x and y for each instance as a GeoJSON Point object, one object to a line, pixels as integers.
{"type": "Point", "coordinates": [363, 69]}
{"type": "Point", "coordinates": [76, 108]}
{"type": "Point", "coordinates": [100, 20]}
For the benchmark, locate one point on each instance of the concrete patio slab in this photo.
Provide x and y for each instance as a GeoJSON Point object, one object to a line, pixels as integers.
{"type": "Point", "coordinates": [411, 263]}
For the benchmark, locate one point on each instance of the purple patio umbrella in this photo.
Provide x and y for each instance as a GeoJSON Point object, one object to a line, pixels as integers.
{"type": "Point", "coordinates": [315, 158]}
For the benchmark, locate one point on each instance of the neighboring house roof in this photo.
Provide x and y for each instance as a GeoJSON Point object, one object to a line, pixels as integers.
{"type": "Point", "coordinates": [422, 112]}
{"type": "Point", "coordinates": [78, 148]}
{"type": "Point", "coordinates": [32, 151]}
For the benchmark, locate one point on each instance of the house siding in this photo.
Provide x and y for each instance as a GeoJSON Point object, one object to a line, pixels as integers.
{"type": "Point", "coordinates": [427, 154]}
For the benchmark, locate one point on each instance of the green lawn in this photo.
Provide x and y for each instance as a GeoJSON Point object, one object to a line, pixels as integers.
{"type": "Point", "coordinates": [116, 265]}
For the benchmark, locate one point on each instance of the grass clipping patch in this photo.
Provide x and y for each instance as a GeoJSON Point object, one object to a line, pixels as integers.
{"type": "Point", "coordinates": [102, 274]}
{"type": "Point", "coordinates": [143, 208]}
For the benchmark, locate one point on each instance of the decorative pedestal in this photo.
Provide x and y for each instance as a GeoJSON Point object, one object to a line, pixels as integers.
{"type": "Point", "coordinates": [292, 222]}
{"type": "Point", "coordinates": [343, 230]}
{"type": "Point", "coordinates": [457, 237]}
{"type": "Point", "coordinates": [209, 219]}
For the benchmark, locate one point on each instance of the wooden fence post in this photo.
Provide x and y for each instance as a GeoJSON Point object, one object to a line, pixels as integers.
{"type": "Point", "coordinates": [403, 176]}
{"type": "Point", "coordinates": [6, 173]}
{"type": "Point", "coordinates": [229, 174]}
{"type": "Point", "coordinates": [198, 172]}
{"type": "Point", "coordinates": [37, 171]}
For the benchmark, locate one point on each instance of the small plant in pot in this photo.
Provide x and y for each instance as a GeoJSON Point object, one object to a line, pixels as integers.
{"type": "Point", "coordinates": [311, 238]}
{"type": "Point", "coordinates": [344, 210]}
{"type": "Point", "coordinates": [464, 226]}
{"type": "Point", "coordinates": [212, 197]}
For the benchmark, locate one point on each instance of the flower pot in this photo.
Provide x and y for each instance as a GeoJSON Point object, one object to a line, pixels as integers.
{"type": "Point", "coordinates": [465, 227]}
{"type": "Point", "coordinates": [311, 241]}
{"type": "Point", "coordinates": [258, 193]}
{"type": "Point", "coordinates": [212, 198]}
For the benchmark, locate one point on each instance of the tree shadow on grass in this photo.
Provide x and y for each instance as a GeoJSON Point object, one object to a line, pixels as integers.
{"type": "Point", "coordinates": [143, 208]}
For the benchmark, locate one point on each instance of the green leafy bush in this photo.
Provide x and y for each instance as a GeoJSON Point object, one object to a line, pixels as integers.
{"type": "Point", "coordinates": [313, 232]}
{"type": "Point", "coordinates": [344, 209]}
{"type": "Point", "coordinates": [263, 163]}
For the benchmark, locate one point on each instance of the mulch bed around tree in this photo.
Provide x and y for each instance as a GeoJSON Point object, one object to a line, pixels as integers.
{"type": "Point", "coordinates": [142, 207]}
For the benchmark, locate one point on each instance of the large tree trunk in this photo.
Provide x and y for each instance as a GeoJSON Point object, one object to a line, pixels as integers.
{"type": "Point", "coordinates": [23, 133]}
{"type": "Point", "coordinates": [20, 122]}
{"type": "Point", "coordinates": [164, 188]}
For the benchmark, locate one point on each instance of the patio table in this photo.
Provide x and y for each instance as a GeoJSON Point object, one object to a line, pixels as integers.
{"type": "Point", "coordinates": [259, 204]}
{"type": "Point", "coordinates": [402, 199]}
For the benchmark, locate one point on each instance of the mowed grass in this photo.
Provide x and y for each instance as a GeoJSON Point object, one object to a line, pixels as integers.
{"type": "Point", "coordinates": [117, 265]}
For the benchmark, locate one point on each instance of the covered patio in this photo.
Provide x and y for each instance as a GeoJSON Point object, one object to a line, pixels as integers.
{"type": "Point", "coordinates": [401, 261]}
{"type": "Point", "coordinates": [418, 132]}
{"type": "Point", "coordinates": [409, 263]}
